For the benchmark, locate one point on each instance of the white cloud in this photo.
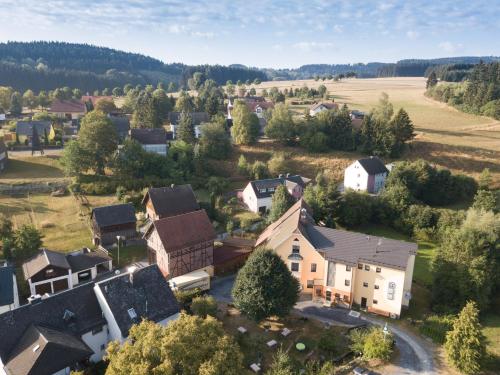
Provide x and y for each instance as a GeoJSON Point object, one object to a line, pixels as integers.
{"type": "Point", "coordinates": [412, 34]}
{"type": "Point", "coordinates": [177, 29]}
{"type": "Point", "coordinates": [309, 46]}
{"type": "Point", "coordinates": [200, 34]}
{"type": "Point", "coordinates": [338, 28]}
{"type": "Point", "coordinates": [450, 47]}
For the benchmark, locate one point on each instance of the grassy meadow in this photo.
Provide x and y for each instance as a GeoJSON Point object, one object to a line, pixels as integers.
{"type": "Point", "coordinates": [445, 136]}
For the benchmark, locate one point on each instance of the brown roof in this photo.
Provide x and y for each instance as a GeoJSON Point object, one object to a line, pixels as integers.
{"type": "Point", "coordinates": [172, 201]}
{"type": "Point", "coordinates": [328, 105]}
{"type": "Point", "coordinates": [177, 232]}
{"type": "Point", "coordinates": [94, 99]}
{"type": "Point", "coordinates": [146, 136]}
{"type": "Point", "coordinates": [264, 105]}
{"type": "Point", "coordinates": [338, 245]}
{"type": "Point", "coordinates": [67, 106]}
{"type": "Point", "coordinates": [43, 259]}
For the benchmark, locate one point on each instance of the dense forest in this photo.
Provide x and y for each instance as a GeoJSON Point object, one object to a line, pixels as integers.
{"type": "Point", "coordinates": [420, 68]}
{"type": "Point", "coordinates": [49, 65]}
{"type": "Point", "coordinates": [479, 94]}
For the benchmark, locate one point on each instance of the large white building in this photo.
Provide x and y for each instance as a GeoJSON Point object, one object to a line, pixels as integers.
{"type": "Point", "coordinates": [366, 174]}
{"type": "Point", "coordinates": [258, 194]}
{"type": "Point", "coordinates": [342, 267]}
{"type": "Point", "coordinates": [63, 332]}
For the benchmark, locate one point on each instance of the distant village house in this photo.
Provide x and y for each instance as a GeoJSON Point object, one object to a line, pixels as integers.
{"type": "Point", "coordinates": [110, 222]}
{"type": "Point", "coordinates": [368, 174]}
{"type": "Point", "coordinates": [152, 140]}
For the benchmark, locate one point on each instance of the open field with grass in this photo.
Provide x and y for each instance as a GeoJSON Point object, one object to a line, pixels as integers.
{"type": "Point", "coordinates": [445, 136]}
{"type": "Point", "coordinates": [28, 169]}
{"type": "Point", "coordinates": [64, 225]}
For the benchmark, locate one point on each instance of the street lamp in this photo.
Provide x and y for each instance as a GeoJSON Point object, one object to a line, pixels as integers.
{"type": "Point", "coordinates": [385, 331]}
{"type": "Point", "coordinates": [118, 240]}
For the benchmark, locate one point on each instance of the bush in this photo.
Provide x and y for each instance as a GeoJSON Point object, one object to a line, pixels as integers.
{"type": "Point", "coordinates": [203, 306]}
{"type": "Point", "coordinates": [120, 193]}
{"type": "Point", "coordinates": [185, 297]}
{"type": "Point", "coordinates": [328, 342]}
{"type": "Point", "coordinates": [372, 343]}
{"type": "Point", "coordinates": [436, 327]}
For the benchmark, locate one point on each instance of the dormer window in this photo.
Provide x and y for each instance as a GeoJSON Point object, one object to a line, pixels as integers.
{"type": "Point", "coordinates": [132, 314]}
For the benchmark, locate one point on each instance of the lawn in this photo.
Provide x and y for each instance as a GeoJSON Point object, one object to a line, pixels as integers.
{"type": "Point", "coordinates": [253, 342]}
{"type": "Point", "coordinates": [491, 324]}
{"type": "Point", "coordinates": [32, 169]}
{"type": "Point", "coordinates": [128, 255]}
{"type": "Point", "coordinates": [64, 225]}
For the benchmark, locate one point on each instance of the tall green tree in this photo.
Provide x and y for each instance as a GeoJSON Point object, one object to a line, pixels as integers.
{"type": "Point", "coordinates": [184, 103]}
{"type": "Point", "coordinates": [402, 130]}
{"type": "Point", "coordinates": [97, 140]}
{"type": "Point", "coordinates": [186, 131]}
{"type": "Point", "coordinates": [431, 80]}
{"type": "Point", "coordinates": [27, 240]}
{"type": "Point", "coordinates": [215, 141]}
{"type": "Point", "coordinates": [16, 104]}
{"type": "Point", "coordinates": [281, 202]}
{"type": "Point", "coordinates": [465, 344]}
{"type": "Point", "coordinates": [265, 287]}
{"type": "Point", "coordinates": [281, 125]}
{"type": "Point", "coordinates": [145, 111]}
{"type": "Point", "coordinates": [30, 100]}
{"type": "Point", "coordinates": [189, 345]}
{"type": "Point", "coordinates": [245, 129]}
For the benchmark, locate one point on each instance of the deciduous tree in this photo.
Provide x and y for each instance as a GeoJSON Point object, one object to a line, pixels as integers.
{"type": "Point", "coordinates": [281, 202]}
{"type": "Point", "coordinates": [245, 129]}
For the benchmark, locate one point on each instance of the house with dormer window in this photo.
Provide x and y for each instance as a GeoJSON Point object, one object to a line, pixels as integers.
{"type": "Point", "coordinates": [341, 267]}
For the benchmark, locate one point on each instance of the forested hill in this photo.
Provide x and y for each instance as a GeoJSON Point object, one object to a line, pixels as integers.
{"type": "Point", "coordinates": [48, 65]}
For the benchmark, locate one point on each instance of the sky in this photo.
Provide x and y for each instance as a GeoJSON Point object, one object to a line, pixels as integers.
{"type": "Point", "coordinates": [264, 33]}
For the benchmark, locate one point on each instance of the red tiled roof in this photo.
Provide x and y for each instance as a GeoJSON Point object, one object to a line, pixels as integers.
{"type": "Point", "coordinates": [67, 106]}
{"type": "Point", "coordinates": [177, 232]}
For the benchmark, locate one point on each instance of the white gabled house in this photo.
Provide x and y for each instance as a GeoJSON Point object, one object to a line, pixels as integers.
{"type": "Point", "coordinates": [320, 107]}
{"type": "Point", "coordinates": [63, 332]}
{"type": "Point", "coordinates": [258, 194]}
{"type": "Point", "coordinates": [366, 174]}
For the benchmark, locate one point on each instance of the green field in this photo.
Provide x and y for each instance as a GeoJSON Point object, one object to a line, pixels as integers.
{"type": "Point", "coordinates": [63, 223]}
{"type": "Point", "coordinates": [25, 169]}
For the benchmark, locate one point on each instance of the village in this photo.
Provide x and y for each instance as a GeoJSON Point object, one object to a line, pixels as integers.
{"type": "Point", "coordinates": [161, 253]}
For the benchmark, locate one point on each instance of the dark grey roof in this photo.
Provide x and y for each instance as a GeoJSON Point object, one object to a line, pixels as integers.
{"type": "Point", "coordinates": [122, 125]}
{"type": "Point", "coordinates": [86, 259]}
{"type": "Point", "coordinates": [6, 285]}
{"type": "Point", "coordinates": [80, 301]}
{"type": "Point", "coordinates": [43, 259]}
{"type": "Point", "coordinates": [44, 350]}
{"type": "Point", "coordinates": [352, 248]}
{"type": "Point", "coordinates": [26, 127]}
{"type": "Point", "coordinates": [156, 136]}
{"type": "Point", "coordinates": [196, 117]}
{"type": "Point", "coordinates": [171, 201]}
{"type": "Point", "coordinates": [117, 214]}
{"type": "Point", "coordinates": [273, 183]}
{"type": "Point", "coordinates": [145, 291]}
{"type": "Point", "coordinates": [373, 165]}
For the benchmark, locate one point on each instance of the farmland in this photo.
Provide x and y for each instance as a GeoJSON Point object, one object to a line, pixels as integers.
{"type": "Point", "coordinates": [445, 136]}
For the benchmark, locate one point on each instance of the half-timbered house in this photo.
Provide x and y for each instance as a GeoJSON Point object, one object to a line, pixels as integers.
{"type": "Point", "coordinates": [181, 244]}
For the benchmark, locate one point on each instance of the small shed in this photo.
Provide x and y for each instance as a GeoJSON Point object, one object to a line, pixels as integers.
{"type": "Point", "coordinates": [232, 255]}
{"type": "Point", "coordinates": [108, 222]}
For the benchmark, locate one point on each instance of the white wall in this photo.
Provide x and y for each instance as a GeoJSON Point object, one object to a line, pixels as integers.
{"type": "Point", "coordinates": [157, 149]}
{"type": "Point", "coordinates": [355, 177]}
{"type": "Point", "coordinates": [114, 330]}
{"type": "Point", "coordinates": [250, 199]}
{"type": "Point", "coordinates": [96, 341]}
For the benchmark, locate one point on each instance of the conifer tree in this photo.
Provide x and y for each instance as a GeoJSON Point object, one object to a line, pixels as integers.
{"type": "Point", "coordinates": [281, 202]}
{"type": "Point", "coordinates": [465, 344]}
{"type": "Point", "coordinates": [186, 129]}
{"type": "Point", "coordinates": [431, 80]}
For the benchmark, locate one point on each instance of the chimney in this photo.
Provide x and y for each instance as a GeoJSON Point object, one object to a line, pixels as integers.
{"type": "Point", "coordinates": [287, 175]}
{"type": "Point", "coordinates": [280, 176]}
{"type": "Point", "coordinates": [303, 216]}
{"type": "Point", "coordinates": [172, 186]}
{"type": "Point", "coordinates": [131, 271]}
{"type": "Point", "coordinates": [34, 299]}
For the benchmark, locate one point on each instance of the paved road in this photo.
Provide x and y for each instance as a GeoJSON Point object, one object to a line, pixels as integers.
{"type": "Point", "coordinates": [413, 357]}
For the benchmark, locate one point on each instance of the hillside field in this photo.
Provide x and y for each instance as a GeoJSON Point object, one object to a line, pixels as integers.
{"type": "Point", "coordinates": [445, 136]}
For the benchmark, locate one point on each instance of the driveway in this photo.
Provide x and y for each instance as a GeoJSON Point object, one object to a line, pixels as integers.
{"type": "Point", "coordinates": [414, 357]}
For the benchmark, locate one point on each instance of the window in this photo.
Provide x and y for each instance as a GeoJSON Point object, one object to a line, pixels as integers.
{"type": "Point", "coordinates": [294, 267]}
{"type": "Point", "coordinates": [295, 248]}
{"type": "Point", "coordinates": [132, 314]}
{"type": "Point", "coordinates": [367, 267]}
{"type": "Point", "coordinates": [376, 286]}
{"type": "Point", "coordinates": [347, 282]}
{"type": "Point", "coordinates": [328, 295]}
{"type": "Point", "coordinates": [365, 285]}
{"type": "Point", "coordinates": [310, 284]}
{"type": "Point", "coordinates": [313, 267]}
{"type": "Point", "coordinates": [379, 269]}
{"type": "Point", "coordinates": [348, 268]}
{"type": "Point", "coordinates": [360, 266]}
{"type": "Point", "coordinates": [391, 290]}
{"type": "Point", "coordinates": [375, 301]}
